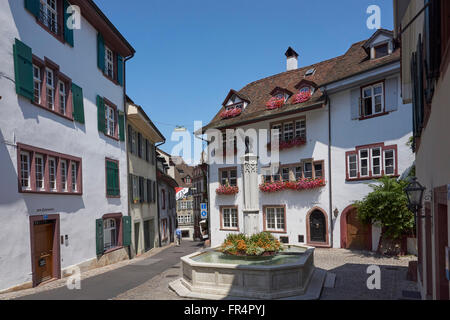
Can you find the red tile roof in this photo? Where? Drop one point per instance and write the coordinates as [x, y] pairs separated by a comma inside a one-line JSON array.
[[354, 61]]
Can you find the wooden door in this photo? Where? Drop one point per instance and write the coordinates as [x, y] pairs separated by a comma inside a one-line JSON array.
[[147, 235], [137, 234], [43, 250], [317, 227], [357, 232], [441, 241]]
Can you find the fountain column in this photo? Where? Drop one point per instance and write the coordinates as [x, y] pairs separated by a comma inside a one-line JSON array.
[[251, 193]]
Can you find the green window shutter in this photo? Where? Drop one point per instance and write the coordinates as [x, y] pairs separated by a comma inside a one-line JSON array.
[[68, 33], [116, 179], [120, 69], [100, 52], [121, 126], [101, 114], [78, 104], [33, 7], [99, 236], [126, 231], [23, 69], [112, 178]]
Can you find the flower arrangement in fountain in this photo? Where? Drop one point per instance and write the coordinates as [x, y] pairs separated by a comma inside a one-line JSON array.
[[275, 103], [226, 189], [299, 185], [260, 244], [230, 113], [301, 97]]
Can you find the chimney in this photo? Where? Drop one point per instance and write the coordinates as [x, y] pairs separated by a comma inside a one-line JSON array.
[[292, 59]]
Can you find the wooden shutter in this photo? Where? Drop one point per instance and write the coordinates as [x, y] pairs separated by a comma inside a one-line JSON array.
[[146, 150], [126, 231], [23, 69], [139, 145], [149, 191], [130, 139], [154, 191], [99, 236], [101, 114], [121, 126], [141, 189], [112, 178], [100, 52], [78, 104], [68, 32], [414, 93], [120, 69], [420, 84], [33, 6], [152, 154], [391, 86], [355, 103]]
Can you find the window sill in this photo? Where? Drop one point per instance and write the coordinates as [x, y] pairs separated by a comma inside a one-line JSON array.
[[373, 116], [112, 197], [113, 249], [276, 231], [112, 137], [52, 111], [58, 37], [51, 192], [371, 178], [110, 79], [228, 229]]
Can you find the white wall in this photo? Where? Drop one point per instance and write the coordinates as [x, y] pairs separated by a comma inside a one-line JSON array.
[[25, 123]]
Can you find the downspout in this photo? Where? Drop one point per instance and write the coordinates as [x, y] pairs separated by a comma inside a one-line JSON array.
[[330, 200], [157, 197], [126, 136]]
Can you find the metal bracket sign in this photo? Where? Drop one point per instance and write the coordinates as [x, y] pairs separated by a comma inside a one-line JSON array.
[[204, 210]]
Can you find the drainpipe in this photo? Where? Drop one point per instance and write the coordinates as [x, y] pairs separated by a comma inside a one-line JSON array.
[[330, 200], [157, 197]]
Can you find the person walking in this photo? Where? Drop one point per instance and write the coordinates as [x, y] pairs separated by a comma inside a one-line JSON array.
[[178, 234]]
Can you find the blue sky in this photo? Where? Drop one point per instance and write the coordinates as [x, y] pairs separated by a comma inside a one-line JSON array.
[[190, 53]]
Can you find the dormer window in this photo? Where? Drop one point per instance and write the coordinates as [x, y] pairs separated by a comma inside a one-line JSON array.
[[305, 89], [381, 50]]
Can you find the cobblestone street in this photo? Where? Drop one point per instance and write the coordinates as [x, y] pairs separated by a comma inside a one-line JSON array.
[[148, 277]]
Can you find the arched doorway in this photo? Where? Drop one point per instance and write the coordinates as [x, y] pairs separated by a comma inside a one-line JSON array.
[[317, 227], [354, 234]]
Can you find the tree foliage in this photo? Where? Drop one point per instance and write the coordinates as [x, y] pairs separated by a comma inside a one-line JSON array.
[[387, 205]]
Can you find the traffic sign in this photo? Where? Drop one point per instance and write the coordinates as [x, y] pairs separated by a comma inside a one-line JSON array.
[[204, 210]]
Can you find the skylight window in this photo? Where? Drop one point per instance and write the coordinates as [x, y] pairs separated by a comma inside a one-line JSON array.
[[310, 72]]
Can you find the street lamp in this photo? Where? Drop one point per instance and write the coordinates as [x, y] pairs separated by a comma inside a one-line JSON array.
[[414, 192]]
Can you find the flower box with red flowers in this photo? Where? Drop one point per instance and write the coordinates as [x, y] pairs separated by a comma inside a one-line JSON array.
[[227, 190], [301, 97], [295, 142], [302, 184], [230, 113], [275, 103]]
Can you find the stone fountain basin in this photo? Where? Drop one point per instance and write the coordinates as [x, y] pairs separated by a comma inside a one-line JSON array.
[[245, 278]]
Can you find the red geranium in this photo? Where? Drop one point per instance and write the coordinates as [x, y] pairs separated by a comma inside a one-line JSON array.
[[298, 141], [302, 184], [301, 97], [275, 103], [227, 190], [230, 113]]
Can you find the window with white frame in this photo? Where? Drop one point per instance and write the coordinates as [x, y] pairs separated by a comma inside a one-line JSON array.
[[285, 174], [39, 171], [389, 162], [48, 14], [371, 161], [135, 187], [288, 131], [228, 176], [63, 165], [372, 100], [308, 169], [352, 166], [25, 170], [364, 162], [52, 173], [300, 128], [298, 173], [37, 84], [50, 85], [229, 218], [305, 89], [110, 120], [62, 97], [109, 62], [275, 220], [376, 161], [74, 176], [109, 234]]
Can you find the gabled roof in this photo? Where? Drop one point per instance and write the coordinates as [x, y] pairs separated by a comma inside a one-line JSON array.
[[354, 61], [238, 94], [388, 33]]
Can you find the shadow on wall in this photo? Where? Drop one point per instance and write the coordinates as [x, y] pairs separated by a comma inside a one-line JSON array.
[[8, 173]]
